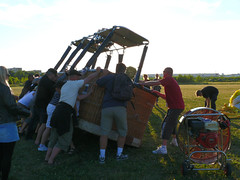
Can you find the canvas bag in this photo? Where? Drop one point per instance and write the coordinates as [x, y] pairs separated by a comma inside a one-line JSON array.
[[122, 87]]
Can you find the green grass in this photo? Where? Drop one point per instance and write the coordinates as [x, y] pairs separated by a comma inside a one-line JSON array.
[[28, 163]]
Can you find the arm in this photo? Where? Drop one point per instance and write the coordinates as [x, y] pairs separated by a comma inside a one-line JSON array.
[[150, 83], [101, 82], [83, 96], [105, 72], [11, 105], [159, 94], [92, 76]]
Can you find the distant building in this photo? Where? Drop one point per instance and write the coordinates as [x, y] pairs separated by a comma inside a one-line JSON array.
[[20, 69], [15, 69], [232, 75]]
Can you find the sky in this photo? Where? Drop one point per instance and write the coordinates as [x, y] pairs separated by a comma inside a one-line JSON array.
[[191, 36]]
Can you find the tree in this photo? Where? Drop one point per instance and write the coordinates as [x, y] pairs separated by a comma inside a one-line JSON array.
[[199, 79], [131, 71], [10, 80]]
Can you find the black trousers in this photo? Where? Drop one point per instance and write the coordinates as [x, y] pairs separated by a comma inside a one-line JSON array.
[[39, 116], [170, 123], [213, 101], [6, 151]]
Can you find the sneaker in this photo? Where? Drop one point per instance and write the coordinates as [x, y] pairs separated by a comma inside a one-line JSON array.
[[42, 147], [174, 142], [101, 160], [122, 157], [160, 150]]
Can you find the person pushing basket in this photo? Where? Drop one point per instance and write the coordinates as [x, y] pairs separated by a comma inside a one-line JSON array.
[[175, 103]]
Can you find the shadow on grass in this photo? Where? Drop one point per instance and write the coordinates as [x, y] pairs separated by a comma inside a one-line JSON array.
[[234, 124], [161, 111], [28, 163]]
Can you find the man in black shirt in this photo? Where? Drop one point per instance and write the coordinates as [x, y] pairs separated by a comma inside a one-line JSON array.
[[44, 94], [210, 93]]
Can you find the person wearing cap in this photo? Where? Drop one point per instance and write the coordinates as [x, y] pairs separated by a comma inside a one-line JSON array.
[[44, 94], [65, 114]]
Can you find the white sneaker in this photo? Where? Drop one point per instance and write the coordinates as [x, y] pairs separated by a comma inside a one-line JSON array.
[[101, 160], [122, 157], [174, 142], [42, 147], [160, 150]]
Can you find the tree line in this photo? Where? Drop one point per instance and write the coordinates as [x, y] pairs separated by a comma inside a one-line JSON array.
[[188, 79], [200, 79], [20, 77]]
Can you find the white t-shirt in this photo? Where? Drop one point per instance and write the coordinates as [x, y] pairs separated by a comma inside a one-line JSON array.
[[69, 91], [26, 99]]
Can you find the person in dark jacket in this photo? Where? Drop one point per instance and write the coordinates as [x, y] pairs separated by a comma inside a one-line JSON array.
[[210, 94], [44, 94], [113, 110], [8, 128]]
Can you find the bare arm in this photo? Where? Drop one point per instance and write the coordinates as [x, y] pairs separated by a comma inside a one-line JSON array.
[[105, 72], [150, 83], [83, 96], [159, 94], [92, 76]]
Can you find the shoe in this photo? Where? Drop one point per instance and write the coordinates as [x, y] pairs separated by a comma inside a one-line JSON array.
[[174, 142], [160, 150], [122, 157], [72, 151], [101, 160], [42, 147]]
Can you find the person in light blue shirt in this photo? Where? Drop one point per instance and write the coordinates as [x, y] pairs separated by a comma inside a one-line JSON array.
[[8, 128]]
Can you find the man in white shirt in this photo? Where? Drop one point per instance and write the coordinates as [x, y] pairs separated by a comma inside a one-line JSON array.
[[63, 116]]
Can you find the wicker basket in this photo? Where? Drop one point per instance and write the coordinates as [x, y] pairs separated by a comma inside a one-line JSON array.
[[138, 112]]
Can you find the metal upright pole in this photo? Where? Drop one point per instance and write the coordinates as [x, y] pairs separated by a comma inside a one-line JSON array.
[[73, 55], [107, 61], [93, 65], [141, 64], [120, 58], [100, 49], [63, 57], [82, 53]]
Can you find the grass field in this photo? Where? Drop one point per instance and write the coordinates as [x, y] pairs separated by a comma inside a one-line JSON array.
[[29, 164]]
